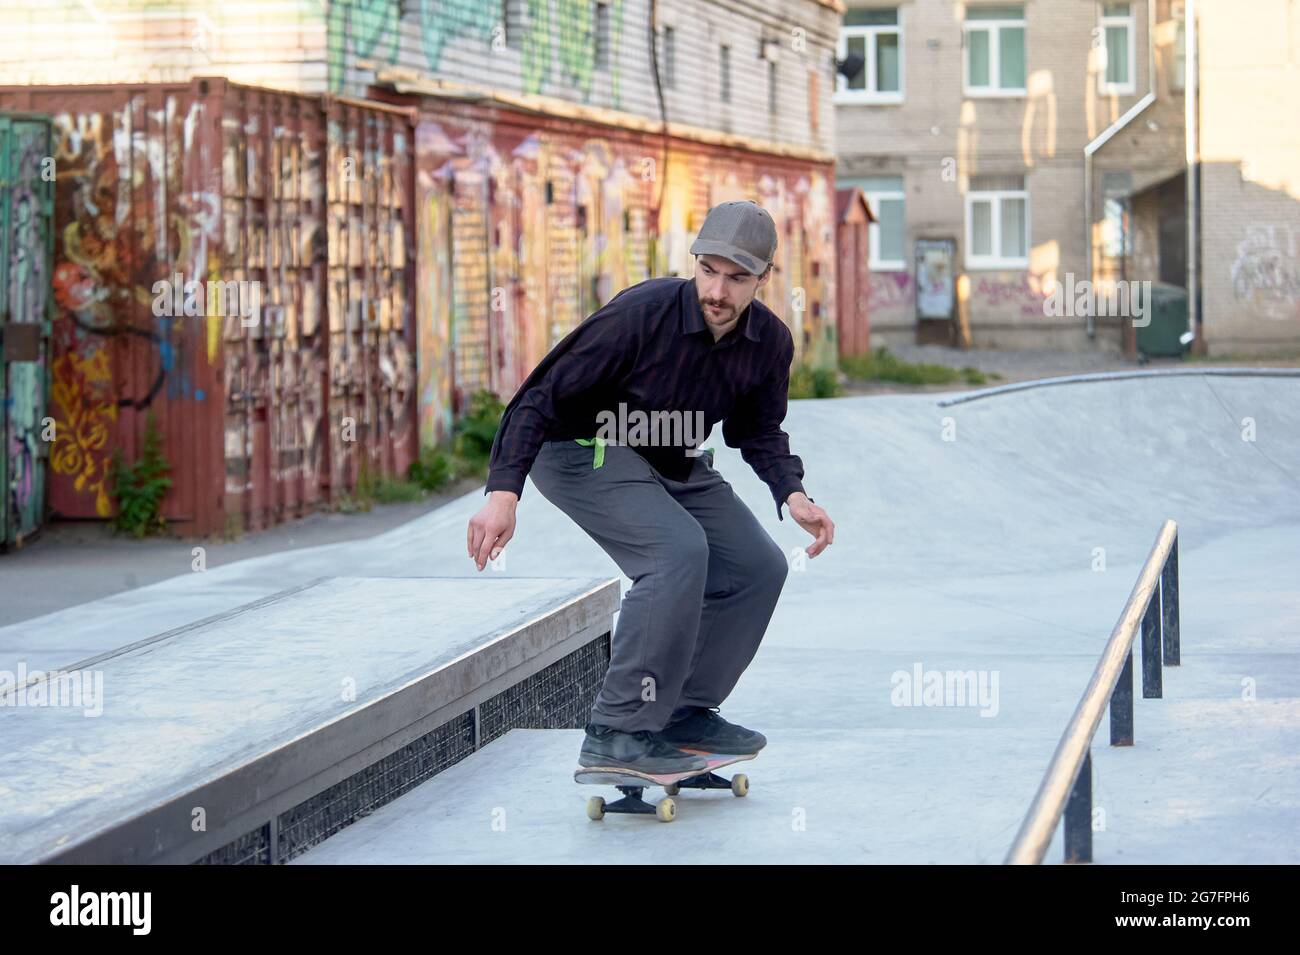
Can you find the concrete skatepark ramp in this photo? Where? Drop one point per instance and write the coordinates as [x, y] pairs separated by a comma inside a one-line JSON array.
[[996, 533]]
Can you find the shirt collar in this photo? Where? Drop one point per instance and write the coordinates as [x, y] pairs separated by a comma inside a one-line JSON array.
[[692, 319]]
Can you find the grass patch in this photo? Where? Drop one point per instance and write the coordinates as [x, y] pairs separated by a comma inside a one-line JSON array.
[[137, 489], [389, 491], [883, 365], [467, 454], [437, 467], [806, 382]]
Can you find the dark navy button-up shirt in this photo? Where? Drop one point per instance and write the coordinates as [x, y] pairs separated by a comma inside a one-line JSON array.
[[649, 349]]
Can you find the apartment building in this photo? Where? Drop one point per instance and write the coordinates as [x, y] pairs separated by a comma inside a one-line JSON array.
[[1013, 150], [1000, 137]]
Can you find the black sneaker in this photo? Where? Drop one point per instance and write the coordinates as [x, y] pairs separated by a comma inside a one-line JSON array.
[[642, 751], [703, 729]]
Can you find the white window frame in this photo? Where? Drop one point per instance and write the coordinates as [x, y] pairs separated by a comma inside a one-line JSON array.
[[1129, 23], [874, 261], [994, 29], [870, 95], [995, 261]]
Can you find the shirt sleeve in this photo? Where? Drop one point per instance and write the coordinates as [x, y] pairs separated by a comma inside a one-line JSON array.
[[754, 426], [596, 352]]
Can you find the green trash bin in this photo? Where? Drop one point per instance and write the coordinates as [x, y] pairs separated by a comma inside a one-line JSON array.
[[1162, 335]]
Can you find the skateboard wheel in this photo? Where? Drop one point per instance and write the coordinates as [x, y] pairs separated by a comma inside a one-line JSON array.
[[673, 789], [596, 808], [739, 784], [666, 810]]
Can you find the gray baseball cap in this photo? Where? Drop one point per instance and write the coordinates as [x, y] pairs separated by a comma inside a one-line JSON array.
[[740, 230]]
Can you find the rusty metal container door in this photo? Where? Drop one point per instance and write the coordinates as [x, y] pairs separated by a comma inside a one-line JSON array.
[[276, 441], [26, 247], [372, 379], [136, 203], [212, 186]]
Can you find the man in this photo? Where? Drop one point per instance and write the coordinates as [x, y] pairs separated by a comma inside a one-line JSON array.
[[706, 576]]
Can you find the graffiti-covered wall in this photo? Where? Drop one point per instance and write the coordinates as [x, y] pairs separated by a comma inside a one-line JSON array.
[[526, 225], [576, 50], [26, 232], [235, 261]]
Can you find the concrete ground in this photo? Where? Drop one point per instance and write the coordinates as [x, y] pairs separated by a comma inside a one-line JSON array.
[[1006, 365], [1000, 536], [90, 561]]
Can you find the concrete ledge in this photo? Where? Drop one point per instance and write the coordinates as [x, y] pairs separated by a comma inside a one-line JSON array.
[[233, 723]]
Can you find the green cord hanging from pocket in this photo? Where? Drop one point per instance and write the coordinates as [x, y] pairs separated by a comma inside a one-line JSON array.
[[598, 459]]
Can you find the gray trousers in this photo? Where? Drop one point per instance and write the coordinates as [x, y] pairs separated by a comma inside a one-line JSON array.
[[705, 577]]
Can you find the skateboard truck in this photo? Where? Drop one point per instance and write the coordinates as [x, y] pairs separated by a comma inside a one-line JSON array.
[[738, 784], [631, 803], [633, 784]]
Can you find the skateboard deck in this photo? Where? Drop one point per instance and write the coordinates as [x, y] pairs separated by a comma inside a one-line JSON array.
[[632, 784]]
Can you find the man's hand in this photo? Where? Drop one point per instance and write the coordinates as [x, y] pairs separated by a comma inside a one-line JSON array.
[[813, 519], [492, 527]]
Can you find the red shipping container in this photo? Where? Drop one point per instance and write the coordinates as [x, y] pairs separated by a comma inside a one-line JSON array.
[[233, 259]]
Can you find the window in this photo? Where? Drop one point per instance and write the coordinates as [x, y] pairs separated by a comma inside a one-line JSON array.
[[1117, 33], [997, 223], [670, 58], [725, 56], [877, 37], [771, 88], [994, 51], [886, 236], [1115, 239]]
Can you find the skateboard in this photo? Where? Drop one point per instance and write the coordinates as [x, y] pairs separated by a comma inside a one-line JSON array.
[[632, 784]]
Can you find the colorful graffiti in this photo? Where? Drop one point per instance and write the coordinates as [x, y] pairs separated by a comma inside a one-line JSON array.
[[890, 292], [1003, 296], [523, 233], [24, 203], [441, 20], [1266, 273], [85, 420], [577, 45], [360, 26], [558, 42], [537, 46], [94, 284], [306, 197]]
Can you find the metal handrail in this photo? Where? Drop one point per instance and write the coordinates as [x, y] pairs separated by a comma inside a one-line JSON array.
[[1154, 605]]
